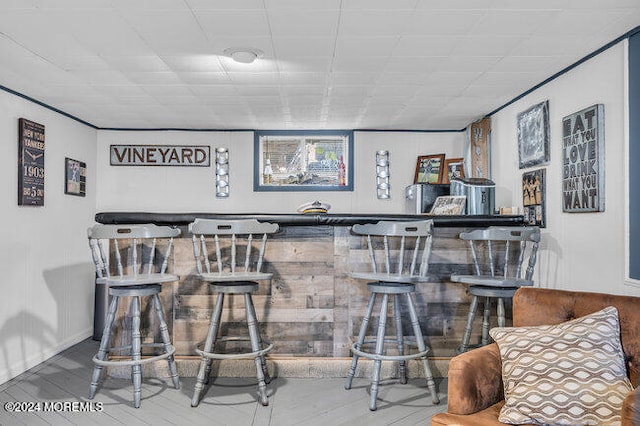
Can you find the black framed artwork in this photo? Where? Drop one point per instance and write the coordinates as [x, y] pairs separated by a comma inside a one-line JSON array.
[[30, 163], [533, 136], [75, 177]]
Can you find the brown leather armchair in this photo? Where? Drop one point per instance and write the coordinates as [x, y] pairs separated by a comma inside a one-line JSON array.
[[475, 394]]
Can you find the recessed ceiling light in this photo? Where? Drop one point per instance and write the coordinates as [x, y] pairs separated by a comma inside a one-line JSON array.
[[244, 55]]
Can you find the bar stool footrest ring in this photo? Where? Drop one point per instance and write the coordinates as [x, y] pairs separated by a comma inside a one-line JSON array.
[[131, 362], [245, 355], [355, 348]]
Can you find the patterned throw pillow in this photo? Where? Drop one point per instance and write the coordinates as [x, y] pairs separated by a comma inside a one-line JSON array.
[[567, 374]]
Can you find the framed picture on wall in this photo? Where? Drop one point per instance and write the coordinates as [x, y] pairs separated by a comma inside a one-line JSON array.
[[30, 163], [533, 197], [453, 168], [75, 177], [533, 135], [429, 169]]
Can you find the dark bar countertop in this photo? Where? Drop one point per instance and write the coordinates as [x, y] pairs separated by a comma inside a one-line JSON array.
[[180, 219]]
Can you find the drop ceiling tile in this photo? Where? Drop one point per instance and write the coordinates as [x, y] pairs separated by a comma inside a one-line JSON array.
[[287, 48], [471, 63], [255, 90], [193, 63], [305, 64], [307, 101], [365, 46], [542, 64], [579, 22], [148, 4], [303, 91], [303, 78], [455, 5], [317, 23], [213, 90], [375, 23], [410, 45], [416, 64], [341, 77], [225, 4], [200, 78], [241, 23], [486, 46], [512, 23], [136, 63], [254, 78], [166, 90], [361, 64], [548, 45], [441, 23], [403, 78], [152, 78], [379, 4], [303, 4], [259, 66]]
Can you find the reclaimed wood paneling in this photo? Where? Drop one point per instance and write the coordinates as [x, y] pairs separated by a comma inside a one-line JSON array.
[[311, 307]]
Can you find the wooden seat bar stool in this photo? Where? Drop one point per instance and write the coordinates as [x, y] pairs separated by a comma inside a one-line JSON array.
[[499, 255], [407, 248], [235, 268], [138, 271]]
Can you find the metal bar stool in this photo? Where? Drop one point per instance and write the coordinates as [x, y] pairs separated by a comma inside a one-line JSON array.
[[228, 276], [138, 272], [402, 243], [498, 271]]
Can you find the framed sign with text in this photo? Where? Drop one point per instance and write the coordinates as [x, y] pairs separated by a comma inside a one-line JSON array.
[[583, 161], [30, 163]]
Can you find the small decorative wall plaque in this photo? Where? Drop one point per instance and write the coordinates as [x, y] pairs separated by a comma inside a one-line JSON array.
[[583, 161], [533, 198], [480, 149], [30, 163], [75, 177], [533, 135]]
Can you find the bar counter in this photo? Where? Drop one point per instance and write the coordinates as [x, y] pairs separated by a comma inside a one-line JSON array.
[[312, 309], [182, 219]]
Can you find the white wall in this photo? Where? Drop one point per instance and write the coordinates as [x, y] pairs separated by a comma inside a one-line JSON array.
[[192, 189], [581, 251], [47, 277]]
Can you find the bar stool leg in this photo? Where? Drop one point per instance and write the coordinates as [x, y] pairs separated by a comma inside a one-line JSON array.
[[205, 363], [382, 326], [166, 339], [263, 361], [363, 332], [254, 335], [136, 370], [399, 338], [467, 328], [104, 346], [485, 320], [422, 347], [501, 314]]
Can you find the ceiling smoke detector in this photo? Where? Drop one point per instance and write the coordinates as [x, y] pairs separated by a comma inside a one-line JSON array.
[[244, 55]]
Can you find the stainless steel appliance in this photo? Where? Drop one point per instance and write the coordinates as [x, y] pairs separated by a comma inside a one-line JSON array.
[[480, 194], [419, 197]]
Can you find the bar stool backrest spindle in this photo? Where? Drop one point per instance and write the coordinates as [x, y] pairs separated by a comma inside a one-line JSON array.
[[136, 249], [406, 250], [493, 253], [233, 250]]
